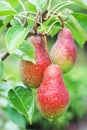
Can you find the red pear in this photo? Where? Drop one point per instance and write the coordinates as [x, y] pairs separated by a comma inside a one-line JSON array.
[[32, 74], [52, 95], [63, 51]]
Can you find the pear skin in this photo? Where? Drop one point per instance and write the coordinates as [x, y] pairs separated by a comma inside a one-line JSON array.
[[52, 95], [64, 51], [31, 73]]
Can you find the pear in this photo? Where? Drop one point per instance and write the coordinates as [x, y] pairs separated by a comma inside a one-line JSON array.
[[31, 73], [64, 51], [52, 95]]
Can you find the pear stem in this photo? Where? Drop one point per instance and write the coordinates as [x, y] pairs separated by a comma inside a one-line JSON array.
[[63, 25], [45, 42]]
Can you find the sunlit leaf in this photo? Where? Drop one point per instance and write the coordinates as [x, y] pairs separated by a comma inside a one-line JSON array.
[[81, 18], [15, 36], [82, 3], [78, 32], [40, 4], [6, 9], [26, 51], [30, 6]]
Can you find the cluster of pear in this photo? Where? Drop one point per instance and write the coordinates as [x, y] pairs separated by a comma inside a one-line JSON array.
[[52, 95]]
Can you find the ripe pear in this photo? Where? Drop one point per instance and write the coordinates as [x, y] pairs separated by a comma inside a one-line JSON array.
[[52, 95], [31, 73], [64, 51]]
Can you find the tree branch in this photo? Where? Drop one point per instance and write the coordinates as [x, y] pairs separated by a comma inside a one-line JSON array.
[[5, 55], [43, 15]]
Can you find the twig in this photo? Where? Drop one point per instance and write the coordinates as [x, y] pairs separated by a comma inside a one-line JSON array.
[[43, 15], [34, 28], [36, 22], [5, 55], [4, 80]]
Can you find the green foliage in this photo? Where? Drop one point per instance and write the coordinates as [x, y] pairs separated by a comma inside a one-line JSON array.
[[15, 116], [30, 6], [14, 38], [82, 3], [76, 83], [22, 99], [5, 22], [81, 18], [28, 52], [78, 32], [15, 4], [40, 5], [53, 7], [1, 69], [6, 9]]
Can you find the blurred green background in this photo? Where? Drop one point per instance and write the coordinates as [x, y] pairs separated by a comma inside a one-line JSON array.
[[75, 80]]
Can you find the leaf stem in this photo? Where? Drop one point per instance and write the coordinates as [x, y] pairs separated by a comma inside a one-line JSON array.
[[21, 3], [43, 16], [36, 22]]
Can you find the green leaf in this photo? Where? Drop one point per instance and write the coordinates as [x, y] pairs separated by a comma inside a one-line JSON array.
[[23, 100], [26, 51], [55, 2], [13, 3], [58, 5], [7, 20], [1, 69], [15, 37], [6, 9], [82, 3], [16, 5], [40, 4], [81, 18], [50, 21], [5, 23], [31, 20], [54, 30], [30, 6], [78, 32], [15, 116]]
